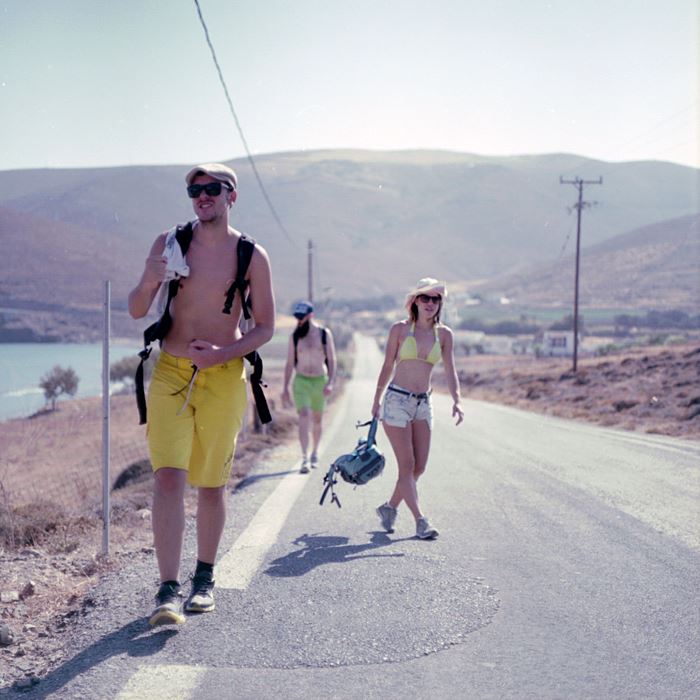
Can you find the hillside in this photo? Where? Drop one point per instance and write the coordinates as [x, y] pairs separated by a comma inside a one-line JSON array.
[[378, 220], [53, 279], [652, 267]]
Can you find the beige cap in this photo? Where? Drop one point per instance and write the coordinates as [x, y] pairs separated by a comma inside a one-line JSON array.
[[218, 171]]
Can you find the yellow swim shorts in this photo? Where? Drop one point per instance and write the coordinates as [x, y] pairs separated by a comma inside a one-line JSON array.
[[201, 438]]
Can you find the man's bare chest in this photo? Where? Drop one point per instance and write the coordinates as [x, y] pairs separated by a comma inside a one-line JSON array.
[[210, 277], [311, 344]]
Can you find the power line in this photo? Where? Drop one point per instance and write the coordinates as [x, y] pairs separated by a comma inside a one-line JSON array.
[[566, 241], [238, 126], [642, 139]]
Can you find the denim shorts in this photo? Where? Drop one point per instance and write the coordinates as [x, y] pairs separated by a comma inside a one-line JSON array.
[[399, 409]]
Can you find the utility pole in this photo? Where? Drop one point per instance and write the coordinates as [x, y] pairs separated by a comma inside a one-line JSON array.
[[310, 271], [578, 183]]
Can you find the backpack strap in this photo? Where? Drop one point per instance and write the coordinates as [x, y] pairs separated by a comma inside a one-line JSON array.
[[158, 330], [256, 386], [244, 253], [325, 345], [330, 481]]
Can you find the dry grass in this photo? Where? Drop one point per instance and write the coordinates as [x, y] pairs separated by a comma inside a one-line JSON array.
[[652, 389]]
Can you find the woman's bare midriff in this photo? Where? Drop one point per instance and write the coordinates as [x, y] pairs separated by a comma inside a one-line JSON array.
[[413, 375]]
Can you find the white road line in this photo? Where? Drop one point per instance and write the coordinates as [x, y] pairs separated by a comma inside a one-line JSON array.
[[162, 683], [236, 568]]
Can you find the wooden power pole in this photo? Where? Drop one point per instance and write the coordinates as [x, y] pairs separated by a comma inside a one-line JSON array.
[[578, 183], [310, 267]]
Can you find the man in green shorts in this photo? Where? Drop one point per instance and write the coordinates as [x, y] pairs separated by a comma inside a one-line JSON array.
[[311, 350], [197, 396]]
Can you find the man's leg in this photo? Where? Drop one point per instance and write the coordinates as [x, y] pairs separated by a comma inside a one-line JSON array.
[[220, 406], [168, 519], [304, 427], [211, 518], [316, 432]]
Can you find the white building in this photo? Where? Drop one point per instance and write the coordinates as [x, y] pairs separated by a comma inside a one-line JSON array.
[[558, 343]]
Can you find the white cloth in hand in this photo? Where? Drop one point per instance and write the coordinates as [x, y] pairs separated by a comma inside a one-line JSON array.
[[175, 267]]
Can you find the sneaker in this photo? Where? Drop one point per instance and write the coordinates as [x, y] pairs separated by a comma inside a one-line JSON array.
[[424, 530], [304, 466], [168, 610], [202, 595], [387, 514], [314, 461]]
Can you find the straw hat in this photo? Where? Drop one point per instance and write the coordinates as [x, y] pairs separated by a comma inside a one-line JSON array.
[[427, 285]]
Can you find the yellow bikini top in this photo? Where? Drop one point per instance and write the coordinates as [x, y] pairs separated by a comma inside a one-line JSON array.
[[409, 349]]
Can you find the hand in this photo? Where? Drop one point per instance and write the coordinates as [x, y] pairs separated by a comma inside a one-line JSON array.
[[375, 408], [286, 400], [328, 389], [203, 354], [457, 411], [154, 271]]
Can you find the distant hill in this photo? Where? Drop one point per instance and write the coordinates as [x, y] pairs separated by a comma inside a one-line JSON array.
[[653, 267], [378, 220]]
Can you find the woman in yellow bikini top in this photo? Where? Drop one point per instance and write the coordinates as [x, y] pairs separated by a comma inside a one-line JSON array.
[[409, 349], [413, 348]]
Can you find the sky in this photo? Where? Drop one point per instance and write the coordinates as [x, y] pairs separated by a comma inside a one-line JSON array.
[[87, 83]]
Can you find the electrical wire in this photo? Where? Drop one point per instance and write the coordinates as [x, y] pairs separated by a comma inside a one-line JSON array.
[[251, 160], [566, 241], [642, 139]]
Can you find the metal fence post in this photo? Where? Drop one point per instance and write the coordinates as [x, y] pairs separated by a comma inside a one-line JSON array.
[[105, 420]]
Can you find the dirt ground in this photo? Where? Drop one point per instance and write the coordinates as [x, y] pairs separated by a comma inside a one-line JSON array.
[[649, 390], [47, 577]]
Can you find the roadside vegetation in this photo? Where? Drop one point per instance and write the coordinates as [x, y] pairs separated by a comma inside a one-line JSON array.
[[60, 381]]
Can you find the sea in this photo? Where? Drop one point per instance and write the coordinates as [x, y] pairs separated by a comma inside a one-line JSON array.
[[22, 365]]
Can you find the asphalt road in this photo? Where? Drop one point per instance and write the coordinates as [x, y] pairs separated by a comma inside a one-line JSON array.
[[568, 566]]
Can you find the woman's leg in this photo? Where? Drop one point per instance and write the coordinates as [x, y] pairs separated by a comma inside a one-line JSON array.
[[401, 440], [421, 446]]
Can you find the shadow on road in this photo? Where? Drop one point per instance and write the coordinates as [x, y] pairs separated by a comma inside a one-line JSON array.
[[317, 550], [135, 639], [249, 480]]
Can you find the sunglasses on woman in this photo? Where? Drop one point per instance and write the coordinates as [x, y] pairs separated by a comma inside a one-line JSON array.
[[213, 189], [425, 298]]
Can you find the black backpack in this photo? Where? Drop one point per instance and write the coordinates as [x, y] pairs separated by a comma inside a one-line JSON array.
[[363, 464], [158, 330]]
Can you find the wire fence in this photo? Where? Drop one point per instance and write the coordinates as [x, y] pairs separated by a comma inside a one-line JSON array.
[[56, 456], [52, 461]]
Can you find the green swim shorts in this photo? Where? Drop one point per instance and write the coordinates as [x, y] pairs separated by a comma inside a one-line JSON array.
[[308, 392]]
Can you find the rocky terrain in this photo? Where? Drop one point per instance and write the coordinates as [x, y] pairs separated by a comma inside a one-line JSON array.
[[648, 389]]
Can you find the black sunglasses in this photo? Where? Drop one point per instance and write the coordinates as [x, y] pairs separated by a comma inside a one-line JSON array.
[[213, 189], [425, 298]]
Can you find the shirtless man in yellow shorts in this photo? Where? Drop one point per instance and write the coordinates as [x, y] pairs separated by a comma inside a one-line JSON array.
[[309, 356], [197, 396]]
